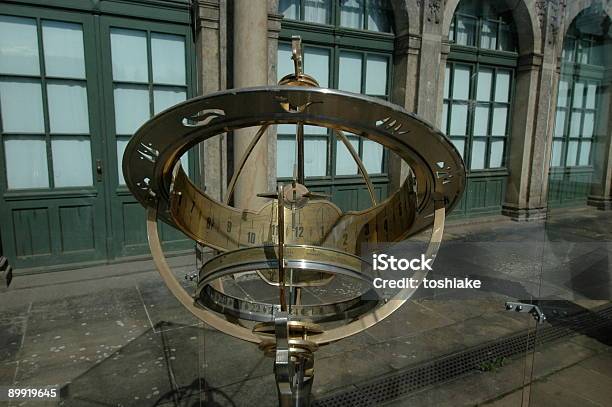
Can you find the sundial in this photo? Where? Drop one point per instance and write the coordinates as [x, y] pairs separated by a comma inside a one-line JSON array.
[[298, 240]]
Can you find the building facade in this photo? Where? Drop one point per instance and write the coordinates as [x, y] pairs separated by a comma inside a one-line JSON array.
[[521, 87]]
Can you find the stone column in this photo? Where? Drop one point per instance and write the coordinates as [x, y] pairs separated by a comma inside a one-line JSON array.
[[211, 52], [533, 122], [404, 93], [250, 68], [601, 189]]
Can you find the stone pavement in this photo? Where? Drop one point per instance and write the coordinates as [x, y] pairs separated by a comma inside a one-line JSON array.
[[110, 336]]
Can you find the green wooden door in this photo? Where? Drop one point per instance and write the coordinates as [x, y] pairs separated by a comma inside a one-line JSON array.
[[53, 196], [146, 68], [74, 86]]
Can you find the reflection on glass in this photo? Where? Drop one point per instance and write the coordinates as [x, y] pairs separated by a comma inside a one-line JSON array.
[[317, 11], [290, 9], [18, 46], [26, 162], [131, 108], [68, 111], [350, 72], [351, 13], [129, 55], [316, 64], [63, 49], [71, 161], [21, 106], [168, 59], [466, 31]]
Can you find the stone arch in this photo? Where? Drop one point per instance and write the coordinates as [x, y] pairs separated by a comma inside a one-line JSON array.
[[402, 16], [523, 12], [575, 8]]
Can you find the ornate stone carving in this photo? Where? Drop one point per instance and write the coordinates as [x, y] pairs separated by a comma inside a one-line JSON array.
[[550, 15], [432, 10]]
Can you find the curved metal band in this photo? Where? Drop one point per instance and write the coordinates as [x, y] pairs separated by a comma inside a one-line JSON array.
[[332, 335], [223, 303], [179, 292]]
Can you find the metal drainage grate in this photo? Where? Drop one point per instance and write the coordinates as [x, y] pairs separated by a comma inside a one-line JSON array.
[[449, 367]]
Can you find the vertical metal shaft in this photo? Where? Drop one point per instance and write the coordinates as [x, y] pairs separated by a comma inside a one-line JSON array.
[[299, 138], [281, 247]]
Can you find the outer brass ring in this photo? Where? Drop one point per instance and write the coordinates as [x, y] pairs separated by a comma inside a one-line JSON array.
[[151, 154]]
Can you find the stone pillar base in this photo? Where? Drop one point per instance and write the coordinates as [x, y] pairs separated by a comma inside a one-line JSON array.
[[600, 202], [524, 214]]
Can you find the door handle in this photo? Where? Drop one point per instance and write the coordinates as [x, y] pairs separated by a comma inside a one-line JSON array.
[[99, 170]]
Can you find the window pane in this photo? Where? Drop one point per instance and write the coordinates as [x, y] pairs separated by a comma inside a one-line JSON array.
[[461, 82], [568, 49], [563, 90], [506, 41], [345, 165], [575, 124], [351, 13], [481, 121], [376, 75], [315, 157], [458, 124], [168, 58], [372, 156], [578, 94], [26, 162], [500, 117], [350, 72], [585, 153], [502, 86], [444, 117], [478, 154], [378, 16], [284, 65], [488, 35], [556, 153], [317, 11], [131, 108], [591, 93], [129, 55], [71, 161], [560, 123], [313, 130], [451, 31], [316, 64], [121, 145], [497, 153], [285, 152], [286, 129], [583, 51], [485, 78], [164, 98], [588, 125], [466, 28], [572, 151], [290, 9], [460, 144], [18, 46], [63, 49], [447, 75], [21, 103], [68, 112]]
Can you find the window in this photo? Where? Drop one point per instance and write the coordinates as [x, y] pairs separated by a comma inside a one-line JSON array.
[[44, 104], [351, 64], [358, 72], [478, 91], [478, 24], [372, 15], [577, 100], [149, 75]]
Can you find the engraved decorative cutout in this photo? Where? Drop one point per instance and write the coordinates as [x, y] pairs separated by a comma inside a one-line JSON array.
[[147, 152], [203, 118], [392, 126]]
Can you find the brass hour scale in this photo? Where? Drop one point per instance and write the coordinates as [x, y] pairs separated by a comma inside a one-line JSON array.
[[299, 240]]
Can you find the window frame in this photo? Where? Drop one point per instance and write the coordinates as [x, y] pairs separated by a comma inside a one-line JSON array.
[[334, 17]]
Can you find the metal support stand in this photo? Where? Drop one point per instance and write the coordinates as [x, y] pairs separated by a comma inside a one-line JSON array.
[[293, 367], [532, 309]]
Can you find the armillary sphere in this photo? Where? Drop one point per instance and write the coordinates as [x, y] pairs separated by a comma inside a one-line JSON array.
[[298, 240]]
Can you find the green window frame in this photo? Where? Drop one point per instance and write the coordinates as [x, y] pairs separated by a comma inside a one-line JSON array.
[[45, 82], [371, 15], [484, 143], [338, 42]]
